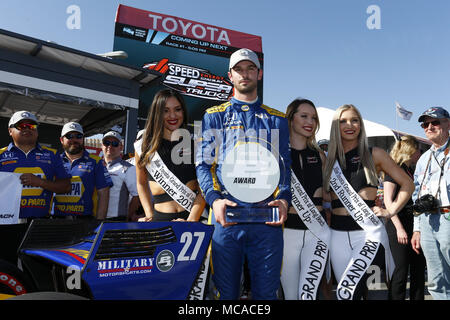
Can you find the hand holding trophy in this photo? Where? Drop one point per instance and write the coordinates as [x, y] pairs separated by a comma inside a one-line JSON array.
[[251, 173]]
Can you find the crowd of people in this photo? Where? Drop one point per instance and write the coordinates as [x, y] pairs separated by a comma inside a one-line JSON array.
[[330, 223]]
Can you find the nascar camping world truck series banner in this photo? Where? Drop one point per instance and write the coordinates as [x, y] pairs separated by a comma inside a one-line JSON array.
[[191, 56]]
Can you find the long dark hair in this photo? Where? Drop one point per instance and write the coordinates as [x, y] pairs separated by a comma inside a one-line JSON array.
[[154, 127]]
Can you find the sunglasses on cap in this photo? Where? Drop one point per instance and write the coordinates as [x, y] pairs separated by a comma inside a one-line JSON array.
[[70, 136], [108, 143], [23, 126], [427, 123]]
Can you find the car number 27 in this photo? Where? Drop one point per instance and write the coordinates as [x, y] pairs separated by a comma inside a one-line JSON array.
[[187, 239]]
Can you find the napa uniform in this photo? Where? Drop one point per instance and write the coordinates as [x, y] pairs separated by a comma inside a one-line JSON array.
[[222, 127], [35, 201], [88, 173], [42, 162]]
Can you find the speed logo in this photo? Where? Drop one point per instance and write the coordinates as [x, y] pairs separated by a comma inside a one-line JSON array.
[[193, 81]]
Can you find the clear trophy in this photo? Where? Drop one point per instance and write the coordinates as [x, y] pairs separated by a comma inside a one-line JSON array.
[[251, 174]]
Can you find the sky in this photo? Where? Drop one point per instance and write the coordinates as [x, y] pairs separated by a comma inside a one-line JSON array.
[[370, 53]]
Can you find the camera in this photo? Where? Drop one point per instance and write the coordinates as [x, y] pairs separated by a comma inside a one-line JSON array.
[[426, 203]]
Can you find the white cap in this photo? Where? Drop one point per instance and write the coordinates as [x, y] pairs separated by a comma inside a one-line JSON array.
[[112, 134], [21, 115], [244, 54], [71, 126]]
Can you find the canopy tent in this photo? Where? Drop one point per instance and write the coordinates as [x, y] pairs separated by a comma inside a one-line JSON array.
[[61, 84]]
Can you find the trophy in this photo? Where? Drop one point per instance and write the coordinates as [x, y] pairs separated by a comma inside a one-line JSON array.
[[251, 173]]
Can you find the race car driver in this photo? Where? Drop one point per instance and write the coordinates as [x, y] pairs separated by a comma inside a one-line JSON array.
[[222, 127]]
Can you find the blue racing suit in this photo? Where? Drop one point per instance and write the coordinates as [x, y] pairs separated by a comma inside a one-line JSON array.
[[222, 127]]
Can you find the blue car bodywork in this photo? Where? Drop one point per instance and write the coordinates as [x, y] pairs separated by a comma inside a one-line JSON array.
[[118, 260]]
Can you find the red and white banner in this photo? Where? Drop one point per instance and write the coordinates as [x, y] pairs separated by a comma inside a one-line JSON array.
[[187, 28]]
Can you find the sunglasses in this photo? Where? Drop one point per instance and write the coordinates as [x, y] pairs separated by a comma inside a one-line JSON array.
[[23, 126], [434, 123], [70, 136], [108, 143]]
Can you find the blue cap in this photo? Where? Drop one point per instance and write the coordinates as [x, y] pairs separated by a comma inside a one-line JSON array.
[[435, 112]]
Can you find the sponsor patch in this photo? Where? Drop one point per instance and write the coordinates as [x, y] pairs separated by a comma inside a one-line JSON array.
[[312, 160]]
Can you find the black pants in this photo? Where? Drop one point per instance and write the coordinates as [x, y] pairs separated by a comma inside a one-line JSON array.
[[405, 260], [163, 216]]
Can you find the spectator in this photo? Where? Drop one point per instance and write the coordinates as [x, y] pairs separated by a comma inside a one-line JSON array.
[[323, 144], [432, 224], [123, 176], [405, 153]]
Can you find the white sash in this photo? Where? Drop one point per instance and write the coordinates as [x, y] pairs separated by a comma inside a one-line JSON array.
[[176, 189], [198, 288], [10, 196], [375, 234], [317, 256]]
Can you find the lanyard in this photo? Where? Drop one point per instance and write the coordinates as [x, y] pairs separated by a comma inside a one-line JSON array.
[[441, 166]]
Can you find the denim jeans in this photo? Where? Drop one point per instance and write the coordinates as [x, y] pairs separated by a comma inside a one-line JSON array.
[[435, 243]]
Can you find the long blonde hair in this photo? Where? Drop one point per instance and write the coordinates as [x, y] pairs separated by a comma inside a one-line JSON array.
[[403, 149], [292, 108], [336, 150], [154, 127]]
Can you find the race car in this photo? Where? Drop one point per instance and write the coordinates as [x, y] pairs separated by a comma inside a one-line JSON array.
[[110, 260]]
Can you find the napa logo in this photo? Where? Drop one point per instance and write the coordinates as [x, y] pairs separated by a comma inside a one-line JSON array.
[[28, 190], [75, 193]]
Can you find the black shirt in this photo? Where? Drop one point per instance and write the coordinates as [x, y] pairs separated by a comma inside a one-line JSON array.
[[355, 175], [308, 171], [406, 217], [183, 171]]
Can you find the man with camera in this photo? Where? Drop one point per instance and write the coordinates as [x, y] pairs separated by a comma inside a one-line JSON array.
[[431, 202]]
